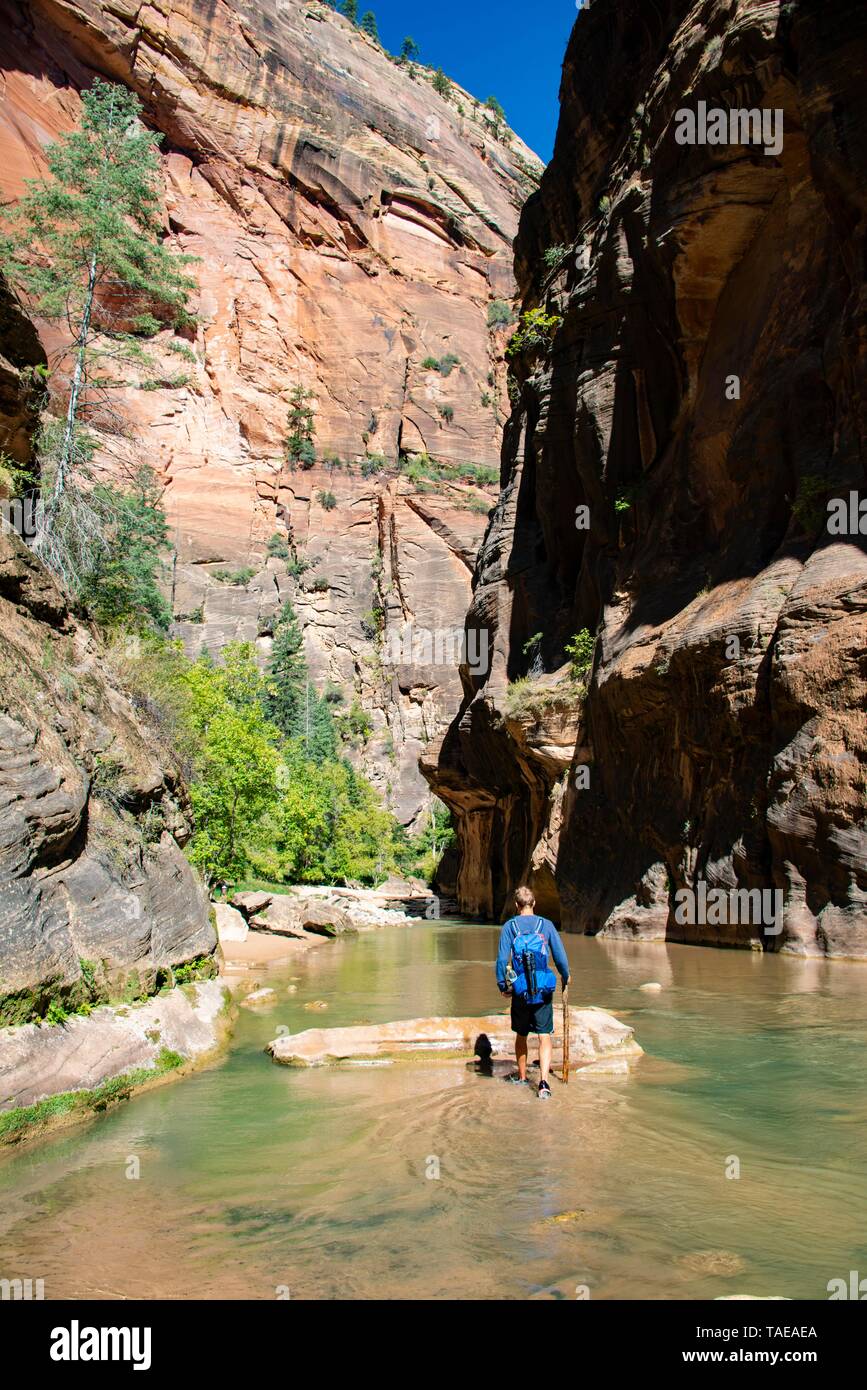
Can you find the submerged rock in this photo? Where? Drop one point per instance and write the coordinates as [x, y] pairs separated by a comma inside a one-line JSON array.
[[597, 1038]]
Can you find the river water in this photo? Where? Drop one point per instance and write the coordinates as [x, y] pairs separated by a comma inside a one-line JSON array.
[[260, 1181]]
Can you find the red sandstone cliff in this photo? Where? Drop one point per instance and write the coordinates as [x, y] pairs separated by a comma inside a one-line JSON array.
[[350, 224]]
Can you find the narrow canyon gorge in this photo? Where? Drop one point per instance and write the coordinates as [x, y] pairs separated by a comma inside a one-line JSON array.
[[664, 447]]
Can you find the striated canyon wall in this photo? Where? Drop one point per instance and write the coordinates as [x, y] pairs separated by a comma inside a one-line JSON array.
[[96, 897], [350, 224], [722, 735]]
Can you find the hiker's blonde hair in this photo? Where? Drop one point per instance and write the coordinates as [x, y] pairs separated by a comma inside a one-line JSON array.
[[525, 897]]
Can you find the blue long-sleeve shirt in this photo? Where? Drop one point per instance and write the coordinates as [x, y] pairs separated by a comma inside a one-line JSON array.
[[530, 923]]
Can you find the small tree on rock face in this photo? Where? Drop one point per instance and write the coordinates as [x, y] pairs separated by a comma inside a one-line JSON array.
[[300, 421], [442, 84], [85, 247], [368, 25], [350, 10], [409, 50]]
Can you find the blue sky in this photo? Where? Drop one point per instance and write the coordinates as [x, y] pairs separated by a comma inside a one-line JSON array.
[[510, 49]]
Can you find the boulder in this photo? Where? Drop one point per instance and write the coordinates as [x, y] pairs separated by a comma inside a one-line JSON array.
[[596, 1037], [231, 926], [251, 903]]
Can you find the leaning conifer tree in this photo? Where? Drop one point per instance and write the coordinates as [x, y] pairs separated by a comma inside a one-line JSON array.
[[85, 249]]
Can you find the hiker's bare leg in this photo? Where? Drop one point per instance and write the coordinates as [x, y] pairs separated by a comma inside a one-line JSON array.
[[545, 1042], [521, 1055]]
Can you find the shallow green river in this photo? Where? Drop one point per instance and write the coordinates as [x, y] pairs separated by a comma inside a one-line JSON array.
[[258, 1181]]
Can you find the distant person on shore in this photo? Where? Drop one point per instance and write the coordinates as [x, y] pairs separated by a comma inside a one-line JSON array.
[[527, 944]]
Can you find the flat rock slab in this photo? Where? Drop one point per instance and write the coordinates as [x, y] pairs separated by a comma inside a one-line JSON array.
[[597, 1037], [40, 1060]]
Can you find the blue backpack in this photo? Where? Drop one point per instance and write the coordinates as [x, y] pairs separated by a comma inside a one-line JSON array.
[[534, 981]]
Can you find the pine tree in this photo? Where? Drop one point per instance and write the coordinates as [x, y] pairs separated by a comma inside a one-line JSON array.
[[300, 421], [350, 10], [286, 675], [409, 50], [493, 105], [85, 246], [368, 25], [442, 84]]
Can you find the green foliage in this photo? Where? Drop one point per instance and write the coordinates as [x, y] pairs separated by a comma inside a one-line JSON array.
[[298, 565], [355, 726], [809, 509], [286, 675], [499, 313], [409, 50], [327, 501], [327, 828], [237, 578], [554, 255], [119, 584], [373, 623], [420, 854], [447, 412], [97, 219], [494, 106], [580, 652], [535, 330], [349, 8], [444, 365], [373, 463], [277, 547], [300, 424], [441, 84], [368, 25]]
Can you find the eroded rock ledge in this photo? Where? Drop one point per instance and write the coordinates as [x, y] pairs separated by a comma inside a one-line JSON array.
[[597, 1039], [132, 1046]]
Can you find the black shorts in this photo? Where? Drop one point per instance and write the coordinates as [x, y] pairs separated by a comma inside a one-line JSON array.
[[532, 1018]]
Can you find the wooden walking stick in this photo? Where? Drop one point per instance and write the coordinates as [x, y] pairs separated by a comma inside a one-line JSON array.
[[566, 1033]]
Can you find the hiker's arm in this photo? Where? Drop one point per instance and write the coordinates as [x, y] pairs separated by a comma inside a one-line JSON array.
[[561, 960], [503, 953]]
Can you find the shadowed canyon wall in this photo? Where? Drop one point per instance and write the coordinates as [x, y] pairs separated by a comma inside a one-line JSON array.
[[722, 736], [350, 224]]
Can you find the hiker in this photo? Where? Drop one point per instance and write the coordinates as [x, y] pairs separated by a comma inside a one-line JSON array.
[[523, 971]]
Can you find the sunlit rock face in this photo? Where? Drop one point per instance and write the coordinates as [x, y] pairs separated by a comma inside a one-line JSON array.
[[723, 735], [350, 224]]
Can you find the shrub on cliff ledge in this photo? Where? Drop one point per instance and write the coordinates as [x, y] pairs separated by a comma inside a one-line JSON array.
[[580, 652], [535, 330]]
